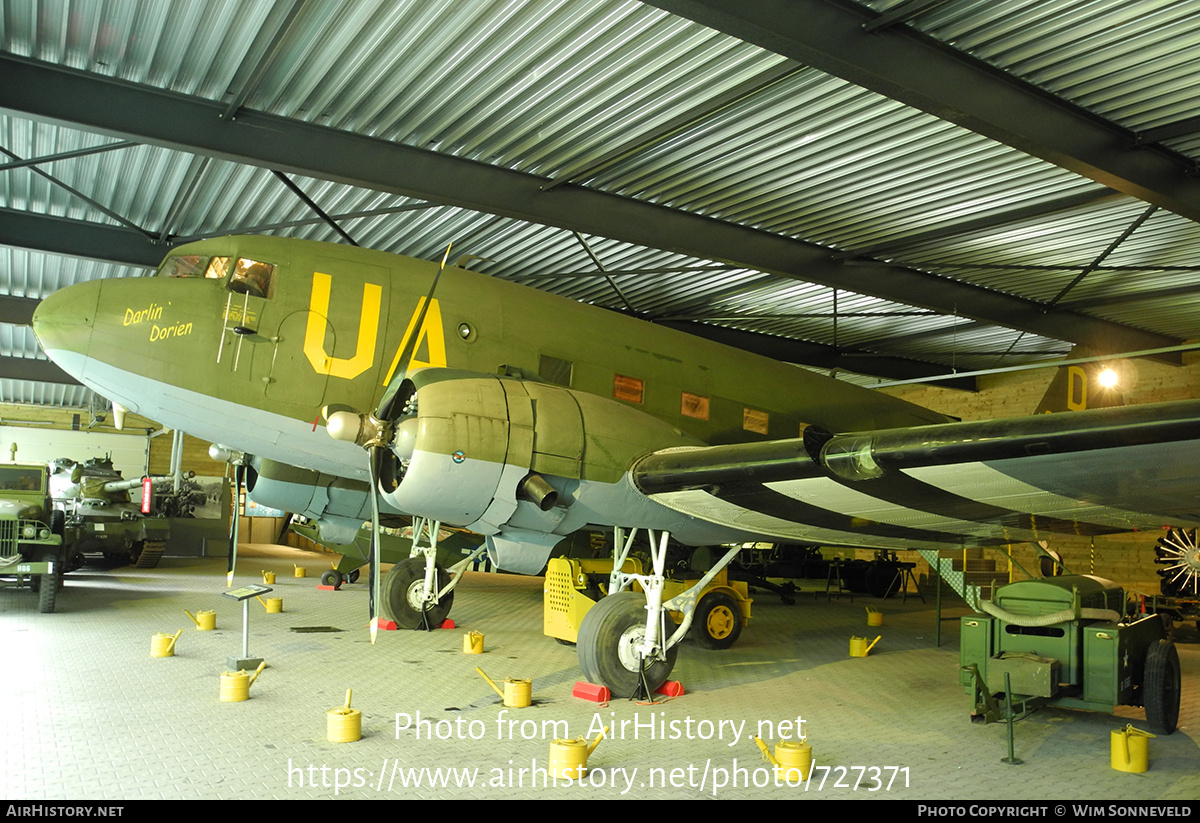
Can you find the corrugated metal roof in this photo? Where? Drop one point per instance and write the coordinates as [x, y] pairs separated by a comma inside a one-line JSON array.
[[627, 99]]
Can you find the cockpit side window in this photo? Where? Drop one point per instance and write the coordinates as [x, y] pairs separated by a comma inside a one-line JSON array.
[[252, 277], [217, 269]]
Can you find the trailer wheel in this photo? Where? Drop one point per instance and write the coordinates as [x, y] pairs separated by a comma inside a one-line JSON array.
[[1161, 685], [718, 621]]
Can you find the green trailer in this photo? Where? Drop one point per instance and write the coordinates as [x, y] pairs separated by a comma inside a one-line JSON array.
[[1072, 642]]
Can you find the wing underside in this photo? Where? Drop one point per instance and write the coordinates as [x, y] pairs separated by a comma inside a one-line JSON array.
[[962, 484]]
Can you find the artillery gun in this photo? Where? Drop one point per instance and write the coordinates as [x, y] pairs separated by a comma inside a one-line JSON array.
[[101, 519]]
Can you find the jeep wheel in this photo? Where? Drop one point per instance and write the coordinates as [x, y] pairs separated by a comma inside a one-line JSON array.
[[48, 592]]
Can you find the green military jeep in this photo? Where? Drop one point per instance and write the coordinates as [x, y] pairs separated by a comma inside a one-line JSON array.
[[31, 533]]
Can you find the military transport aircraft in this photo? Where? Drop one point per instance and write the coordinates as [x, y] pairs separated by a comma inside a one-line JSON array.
[[523, 417]]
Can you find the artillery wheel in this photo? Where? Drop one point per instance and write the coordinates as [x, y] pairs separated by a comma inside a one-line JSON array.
[[608, 637], [881, 579], [331, 577], [1179, 553], [718, 621], [402, 589], [1161, 687]]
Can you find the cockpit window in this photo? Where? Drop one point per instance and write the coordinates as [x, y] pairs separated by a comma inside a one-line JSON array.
[[217, 269], [195, 265], [252, 277], [184, 265]]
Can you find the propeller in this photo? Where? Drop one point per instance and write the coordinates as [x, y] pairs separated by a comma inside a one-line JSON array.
[[375, 432], [239, 474]]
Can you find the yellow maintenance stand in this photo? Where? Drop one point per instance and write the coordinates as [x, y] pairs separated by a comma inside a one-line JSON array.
[[573, 585]]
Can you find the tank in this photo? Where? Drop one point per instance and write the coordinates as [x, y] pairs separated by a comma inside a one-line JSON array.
[[102, 520]]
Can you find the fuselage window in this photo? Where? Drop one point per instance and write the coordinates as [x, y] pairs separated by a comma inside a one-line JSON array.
[[252, 277], [630, 389], [694, 405]]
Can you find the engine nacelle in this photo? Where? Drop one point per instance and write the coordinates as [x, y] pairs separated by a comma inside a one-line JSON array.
[[480, 446], [340, 505]]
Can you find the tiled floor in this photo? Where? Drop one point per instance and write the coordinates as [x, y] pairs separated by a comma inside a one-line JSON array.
[[91, 715]]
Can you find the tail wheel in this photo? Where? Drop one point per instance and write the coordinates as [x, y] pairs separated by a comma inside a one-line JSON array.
[[609, 639], [403, 592], [718, 621], [1179, 555], [1161, 687]]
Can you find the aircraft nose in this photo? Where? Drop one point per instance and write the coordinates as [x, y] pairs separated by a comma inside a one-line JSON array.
[[63, 321]]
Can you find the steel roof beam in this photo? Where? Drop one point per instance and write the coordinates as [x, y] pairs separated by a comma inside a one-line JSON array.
[[77, 238], [37, 371], [94, 103], [917, 70]]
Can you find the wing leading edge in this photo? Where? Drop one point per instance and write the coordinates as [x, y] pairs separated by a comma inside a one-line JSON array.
[[977, 483]]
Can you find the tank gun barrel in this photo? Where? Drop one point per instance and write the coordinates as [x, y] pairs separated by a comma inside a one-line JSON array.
[[136, 483]]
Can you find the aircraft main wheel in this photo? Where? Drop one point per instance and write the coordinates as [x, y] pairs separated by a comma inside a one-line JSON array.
[[403, 587], [352, 577], [718, 621], [331, 577], [1160, 687], [609, 636]]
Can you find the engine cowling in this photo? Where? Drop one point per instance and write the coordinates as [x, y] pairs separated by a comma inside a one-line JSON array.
[[479, 450], [339, 504]]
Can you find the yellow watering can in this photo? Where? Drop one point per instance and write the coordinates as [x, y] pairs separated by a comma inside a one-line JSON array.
[[235, 686], [568, 758], [342, 723], [163, 645], [859, 647], [516, 692], [1130, 750], [473, 643], [205, 621], [792, 760], [273, 605], [268, 577], [300, 571]]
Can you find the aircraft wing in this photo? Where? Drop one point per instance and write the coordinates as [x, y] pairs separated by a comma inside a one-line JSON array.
[[973, 483]]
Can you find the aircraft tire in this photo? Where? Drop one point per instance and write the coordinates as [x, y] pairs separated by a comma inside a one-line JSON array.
[[402, 587], [331, 577], [1161, 687], [352, 577], [718, 621], [607, 635]]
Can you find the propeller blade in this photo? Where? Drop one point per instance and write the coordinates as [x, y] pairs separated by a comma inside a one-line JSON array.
[[410, 345], [374, 568], [239, 474]]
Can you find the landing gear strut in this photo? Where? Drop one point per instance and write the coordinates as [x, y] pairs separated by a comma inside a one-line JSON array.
[[623, 641], [419, 591]]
